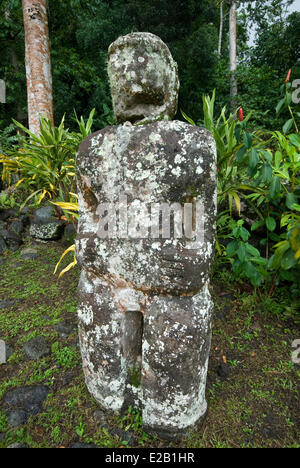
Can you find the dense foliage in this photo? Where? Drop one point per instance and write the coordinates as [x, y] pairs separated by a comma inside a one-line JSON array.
[[81, 31]]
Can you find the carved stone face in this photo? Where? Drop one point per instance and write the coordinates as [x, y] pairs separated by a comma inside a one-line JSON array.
[[143, 78]]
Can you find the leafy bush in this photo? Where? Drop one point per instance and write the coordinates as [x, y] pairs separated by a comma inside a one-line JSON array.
[[45, 164], [258, 195]]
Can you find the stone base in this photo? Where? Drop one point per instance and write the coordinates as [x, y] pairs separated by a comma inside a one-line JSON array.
[[172, 434]]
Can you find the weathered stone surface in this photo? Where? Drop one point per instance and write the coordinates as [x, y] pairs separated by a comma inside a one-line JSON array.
[[45, 226], [69, 232], [8, 350], [36, 348], [51, 230], [3, 245], [27, 398], [159, 162], [223, 370], [7, 213], [17, 417], [144, 309], [17, 227], [44, 213], [143, 78], [7, 303], [29, 254], [64, 329], [100, 418], [176, 344], [81, 445], [11, 238], [17, 445]]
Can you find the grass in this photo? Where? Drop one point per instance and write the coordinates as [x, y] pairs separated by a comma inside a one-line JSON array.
[[257, 405]]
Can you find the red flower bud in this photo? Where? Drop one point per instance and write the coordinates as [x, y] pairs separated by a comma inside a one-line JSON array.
[[241, 115], [288, 76]]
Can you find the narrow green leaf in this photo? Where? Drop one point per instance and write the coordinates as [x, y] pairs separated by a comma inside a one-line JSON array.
[[287, 126], [279, 105], [188, 119], [271, 223], [252, 250]]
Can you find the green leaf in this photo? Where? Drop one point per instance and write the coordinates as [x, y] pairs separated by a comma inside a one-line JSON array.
[[287, 126], [288, 260], [252, 250], [260, 261], [290, 200], [231, 248], [267, 155], [188, 119], [279, 105], [274, 237], [275, 187], [236, 266], [266, 172], [271, 223], [295, 140], [253, 275], [278, 159], [248, 140], [244, 234], [241, 252], [296, 207], [253, 158], [237, 133], [257, 225], [240, 154]]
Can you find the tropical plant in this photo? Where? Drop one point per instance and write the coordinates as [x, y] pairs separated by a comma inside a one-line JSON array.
[[285, 102], [246, 259], [45, 164]]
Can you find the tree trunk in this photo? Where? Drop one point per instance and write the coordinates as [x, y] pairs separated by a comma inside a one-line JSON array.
[[221, 29], [38, 65], [232, 54]]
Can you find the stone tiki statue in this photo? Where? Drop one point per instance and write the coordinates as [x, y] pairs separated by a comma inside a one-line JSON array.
[[145, 310]]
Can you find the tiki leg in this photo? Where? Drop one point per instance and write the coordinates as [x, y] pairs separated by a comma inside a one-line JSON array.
[[176, 344], [110, 340]]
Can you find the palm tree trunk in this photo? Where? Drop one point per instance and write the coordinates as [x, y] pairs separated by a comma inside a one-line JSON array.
[[38, 65]]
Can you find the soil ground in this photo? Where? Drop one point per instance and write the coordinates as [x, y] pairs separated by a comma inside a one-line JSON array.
[[253, 385]]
